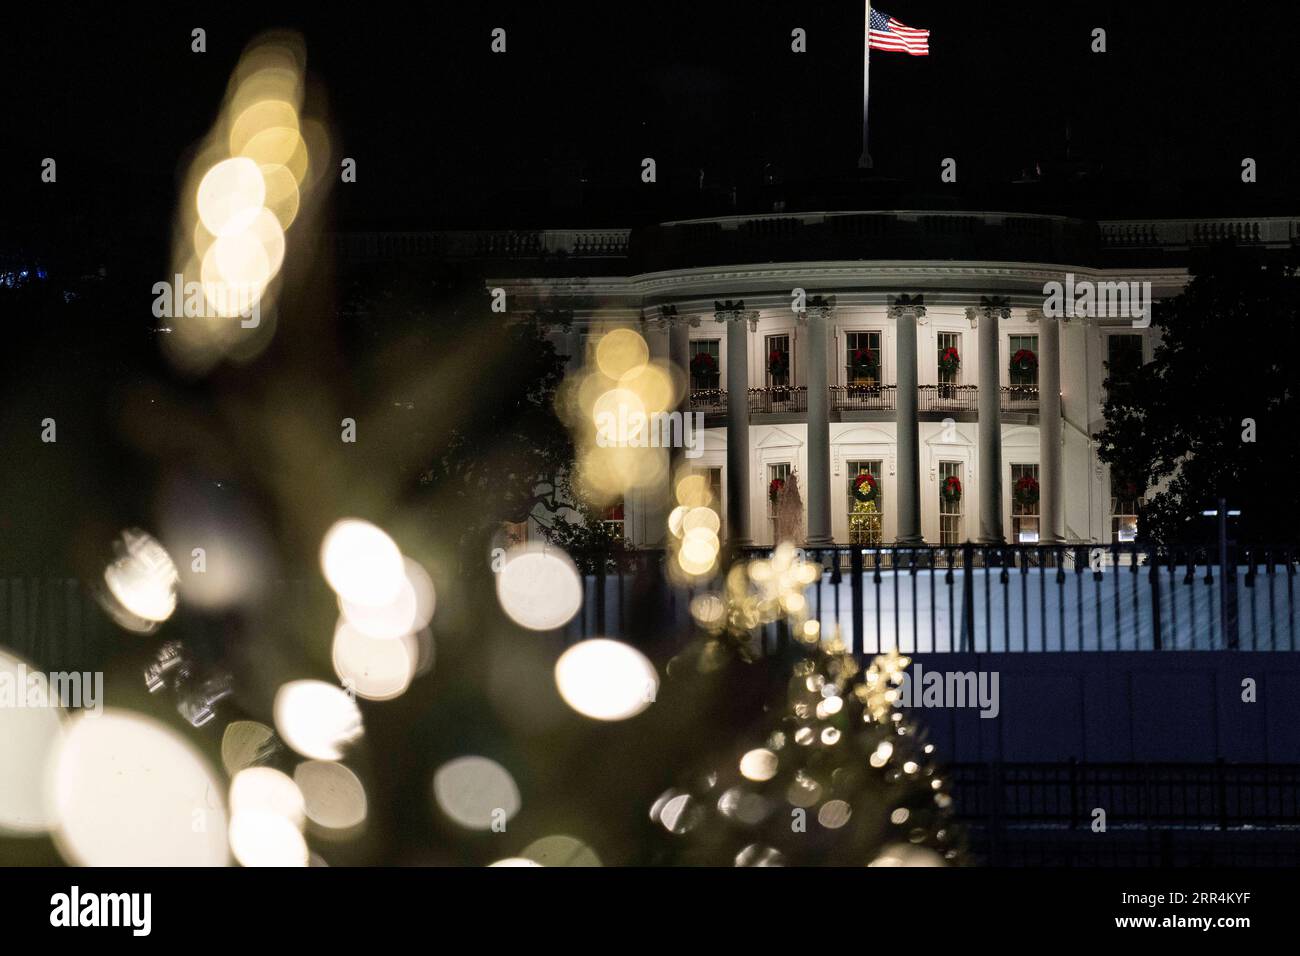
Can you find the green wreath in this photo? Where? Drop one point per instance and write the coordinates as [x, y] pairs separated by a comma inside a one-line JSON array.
[[865, 489]]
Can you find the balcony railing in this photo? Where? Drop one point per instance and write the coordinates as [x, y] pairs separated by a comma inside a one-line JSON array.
[[1019, 398], [784, 398], [948, 398], [864, 398], [710, 401]]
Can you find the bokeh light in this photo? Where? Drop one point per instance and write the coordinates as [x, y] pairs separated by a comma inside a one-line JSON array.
[[141, 582], [334, 798], [375, 668], [539, 587], [129, 791], [316, 719], [476, 792], [28, 735], [606, 680], [362, 564]]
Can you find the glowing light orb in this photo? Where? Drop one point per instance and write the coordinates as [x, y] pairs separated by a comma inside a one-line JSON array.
[[410, 610], [758, 765], [606, 680], [266, 790], [333, 796], [245, 743], [374, 668], [475, 792], [316, 719], [261, 838], [361, 563], [230, 196], [903, 854], [621, 351], [539, 588], [28, 736], [129, 791], [560, 850], [142, 579]]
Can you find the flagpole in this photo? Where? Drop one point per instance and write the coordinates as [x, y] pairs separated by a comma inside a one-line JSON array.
[[864, 161]]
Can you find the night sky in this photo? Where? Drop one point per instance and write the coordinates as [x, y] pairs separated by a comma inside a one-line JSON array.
[[447, 134]]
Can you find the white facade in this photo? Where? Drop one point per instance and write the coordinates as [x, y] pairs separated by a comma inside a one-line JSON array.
[[704, 284]]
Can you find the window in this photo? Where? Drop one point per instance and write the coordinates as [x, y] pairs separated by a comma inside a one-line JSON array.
[[1024, 377], [705, 371], [865, 526], [1123, 356], [1024, 504], [613, 519], [1125, 500], [950, 506], [862, 356], [780, 371], [514, 533], [947, 374], [778, 476], [713, 481]]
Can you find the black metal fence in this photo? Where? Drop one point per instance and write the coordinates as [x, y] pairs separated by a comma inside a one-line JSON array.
[[977, 598], [1130, 813]]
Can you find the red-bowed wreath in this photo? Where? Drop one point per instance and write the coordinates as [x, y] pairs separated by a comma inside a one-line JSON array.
[[778, 363], [1024, 361], [951, 488], [1026, 491], [774, 488], [703, 364], [865, 488], [949, 361], [863, 362]]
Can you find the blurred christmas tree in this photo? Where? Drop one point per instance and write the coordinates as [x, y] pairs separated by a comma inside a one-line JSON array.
[[832, 773]]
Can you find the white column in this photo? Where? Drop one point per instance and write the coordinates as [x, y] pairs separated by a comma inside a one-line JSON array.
[[819, 429], [657, 502], [990, 417], [738, 465], [906, 310], [1051, 518]]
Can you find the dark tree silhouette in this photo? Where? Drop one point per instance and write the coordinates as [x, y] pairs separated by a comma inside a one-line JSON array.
[[1214, 413]]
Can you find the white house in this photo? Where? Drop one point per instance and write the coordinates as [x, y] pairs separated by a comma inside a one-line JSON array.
[[832, 329]]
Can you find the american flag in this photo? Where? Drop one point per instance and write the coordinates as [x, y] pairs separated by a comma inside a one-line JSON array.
[[886, 33]]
